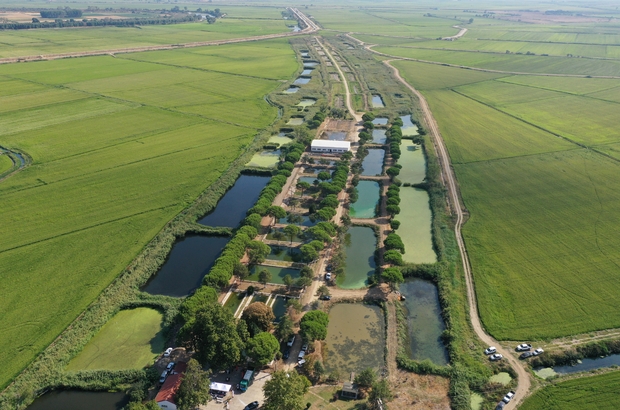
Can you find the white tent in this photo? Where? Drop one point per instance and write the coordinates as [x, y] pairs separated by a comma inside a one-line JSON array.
[[220, 388]]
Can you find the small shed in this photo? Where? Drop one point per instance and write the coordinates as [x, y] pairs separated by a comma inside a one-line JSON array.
[[349, 390], [330, 146]]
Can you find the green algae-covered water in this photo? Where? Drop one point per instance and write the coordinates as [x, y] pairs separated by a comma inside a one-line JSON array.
[[360, 244], [368, 198], [413, 162], [415, 227]]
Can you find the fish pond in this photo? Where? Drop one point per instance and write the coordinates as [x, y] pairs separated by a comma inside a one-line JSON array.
[[373, 162], [583, 365], [302, 80], [280, 139], [424, 321], [413, 162], [265, 159], [305, 221], [307, 71], [310, 64], [233, 301], [295, 121], [189, 261], [377, 101], [415, 226], [284, 253], [284, 237], [409, 129], [307, 102], [380, 121], [367, 201], [378, 136], [232, 208], [80, 400], [278, 305], [360, 244], [291, 90], [355, 338], [277, 273]]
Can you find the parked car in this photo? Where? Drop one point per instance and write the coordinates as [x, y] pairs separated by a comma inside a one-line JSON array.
[[523, 347], [301, 363], [328, 276], [286, 354], [325, 297], [490, 350], [500, 405], [495, 357], [163, 376], [170, 366], [305, 347], [538, 351], [526, 355], [329, 268], [291, 341], [251, 406], [168, 351], [301, 355], [508, 397]]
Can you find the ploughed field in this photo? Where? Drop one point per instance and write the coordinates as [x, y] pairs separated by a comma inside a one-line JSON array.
[[119, 147]]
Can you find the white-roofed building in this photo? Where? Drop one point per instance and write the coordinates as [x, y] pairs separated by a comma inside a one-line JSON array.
[[330, 146]]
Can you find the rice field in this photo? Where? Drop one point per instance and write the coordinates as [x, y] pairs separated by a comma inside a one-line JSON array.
[[112, 163]]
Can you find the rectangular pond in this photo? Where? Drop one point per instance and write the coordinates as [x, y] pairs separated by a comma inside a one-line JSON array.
[[367, 201], [413, 162], [415, 226], [310, 64], [284, 253], [188, 262], [280, 139], [277, 273], [279, 307], [233, 301], [305, 221], [378, 136], [409, 129], [291, 90], [336, 135], [265, 159], [307, 71], [231, 209], [285, 238], [377, 101], [424, 321], [355, 338], [373, 162], [307, 102], [295, 121], [302, 80], [80, 400], [380, 121], [360, 245]]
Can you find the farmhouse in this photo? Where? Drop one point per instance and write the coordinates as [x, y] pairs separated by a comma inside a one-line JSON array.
[[335, 147], [166, 398]]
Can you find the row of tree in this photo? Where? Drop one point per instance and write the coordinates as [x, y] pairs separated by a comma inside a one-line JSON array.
[[133, 22]]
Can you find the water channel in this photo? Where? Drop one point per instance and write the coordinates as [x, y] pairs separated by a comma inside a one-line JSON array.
[[368, 199], [413, 162], [377, 101], [360, 244], [189, 261], [80, 400], [373, 162], [231, 209], [424, 321], [415, 226], [583, 366], [355, 338]]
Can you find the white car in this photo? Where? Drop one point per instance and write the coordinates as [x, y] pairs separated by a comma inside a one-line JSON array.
[[328, 276], [301, 355], [490, 350], [168, 351], [305, 347], [508, 397], [538, 351], [523, 347], [495, 357], [291, 341], [170, 366]]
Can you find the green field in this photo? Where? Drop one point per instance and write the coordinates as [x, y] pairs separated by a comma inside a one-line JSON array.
[[589, 393], [119, 147], [132, 339], [5, 163]]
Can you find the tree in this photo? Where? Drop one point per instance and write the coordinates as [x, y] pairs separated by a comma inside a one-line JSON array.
[[366, 378], [212, 334], [380, 390], [302, 282], [393, 257], [368, 116], [284, 330], [314, 325], [295, 304], [303, 186], [369, 125], [294, 218], [306, 272], [257, 252], [288, 281], [264, 276], [393, 241], [258, 316], [319, 369], [262, 348], [330, 201], [323, 290], [276, 212], [285, 391], [194, 388], [392, 209], [393, 276], [253, 220], [393, 172], [151, 405], [394, 224], [241, 271], [323, 176], [292, 231], [308, 253]]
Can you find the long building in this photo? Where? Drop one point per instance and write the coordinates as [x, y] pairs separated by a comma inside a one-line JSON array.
[[334, 147]]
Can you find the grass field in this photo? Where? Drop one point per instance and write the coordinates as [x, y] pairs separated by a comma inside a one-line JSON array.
[[113, 161], [589, 393], [132, 339], [5, 163]]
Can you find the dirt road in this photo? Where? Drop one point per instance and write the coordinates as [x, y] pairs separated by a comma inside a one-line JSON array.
[[448, 175]]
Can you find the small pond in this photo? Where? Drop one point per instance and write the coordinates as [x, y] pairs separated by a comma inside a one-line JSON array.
[[233, 301], [279, 307], [285, 238], [310, 64], [306, 102], [284, 253], [380, 121], [306, 221], [304, 54], [355, 338], [360, 244], [377, 101], [291, 90], [280, 139], [232, 208], [307, 179], [80, 400], [413, 162], [415, 226], [265, 159], [379, 137], [187, 264], [373, 162], [583, 366], [409, 128], [336, 135], [424, 321], [302, 80], [277, 273], [501, 377], [367, 201], [307, 71], [295, 121]]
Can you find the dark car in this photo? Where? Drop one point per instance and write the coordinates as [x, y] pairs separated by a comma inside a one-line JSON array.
[[329, 268], [526, 355], [325, 297], [500, 405], [286, 354], [251, 406]]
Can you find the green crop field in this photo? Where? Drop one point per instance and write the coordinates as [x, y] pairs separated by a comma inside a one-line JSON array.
[[130, 340], [5, 163], [119, 147], [598, 392]]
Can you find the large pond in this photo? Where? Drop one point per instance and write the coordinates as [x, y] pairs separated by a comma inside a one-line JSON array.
[[355, 338], [415, 226], [373, 162], [336, 135], [424, 321], [360, 244], [187, 264], [377, 101], [380, 121], [295, 121], [280, 139], [409, 129], [306, 102], [368, 198], [80, 400], [413, 162], [302, 80], [277, 273], [378, 136], [583, 366], [265, 159], [231, 209]]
